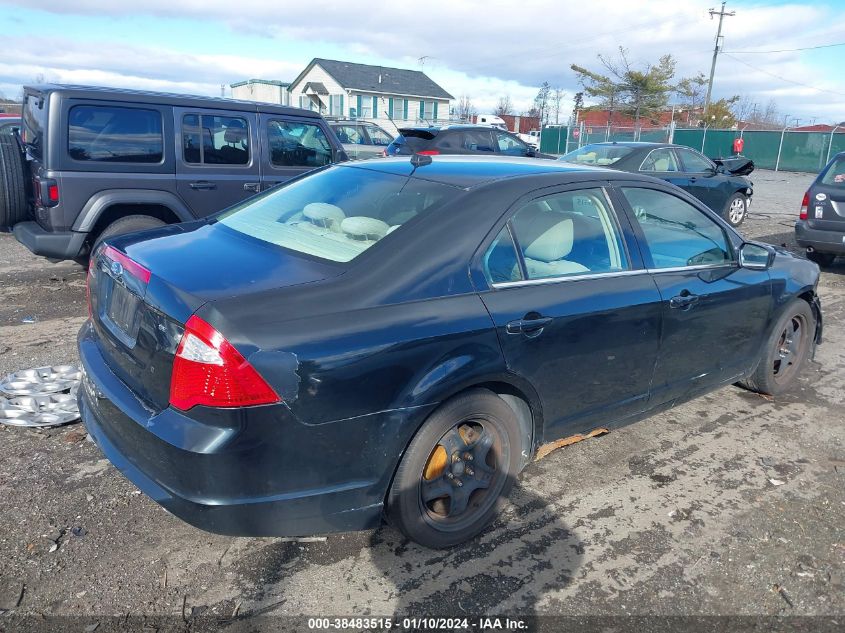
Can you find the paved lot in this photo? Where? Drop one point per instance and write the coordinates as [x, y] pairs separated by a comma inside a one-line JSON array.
[[675, 515]]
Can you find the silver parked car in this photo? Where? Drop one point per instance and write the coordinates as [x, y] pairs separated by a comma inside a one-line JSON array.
[[361, 139]]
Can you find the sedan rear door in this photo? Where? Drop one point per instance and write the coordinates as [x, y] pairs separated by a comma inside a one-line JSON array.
[[714, 312], [575, 312], [712, 188]]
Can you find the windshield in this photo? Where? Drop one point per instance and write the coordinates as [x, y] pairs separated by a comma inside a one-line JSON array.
[[835, 174], [597, 154], [336, 213]]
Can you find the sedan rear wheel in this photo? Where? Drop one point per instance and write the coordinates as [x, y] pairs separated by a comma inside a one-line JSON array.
[[736, 208], [453, 477], [786, 351], [824, 260]]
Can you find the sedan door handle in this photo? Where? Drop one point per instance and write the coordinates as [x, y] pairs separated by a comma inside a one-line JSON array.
[[202, 184], [252, 186], [683, 301], [530, 326]]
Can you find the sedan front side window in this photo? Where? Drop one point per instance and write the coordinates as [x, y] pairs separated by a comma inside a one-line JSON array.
[[677, 234]]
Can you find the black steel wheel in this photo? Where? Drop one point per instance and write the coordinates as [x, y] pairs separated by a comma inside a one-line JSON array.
[[786, 350], [457, 469]]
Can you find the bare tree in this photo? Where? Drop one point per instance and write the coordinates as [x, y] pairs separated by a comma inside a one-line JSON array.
[[504, 106], [465, 110], [557, 98]]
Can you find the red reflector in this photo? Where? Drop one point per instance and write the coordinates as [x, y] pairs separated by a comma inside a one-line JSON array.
[[804, 204], [133, 268], [429, 152], [53, 193], [210, 372]]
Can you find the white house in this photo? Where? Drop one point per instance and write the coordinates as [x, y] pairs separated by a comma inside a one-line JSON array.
[[264, 90], [390, 97]]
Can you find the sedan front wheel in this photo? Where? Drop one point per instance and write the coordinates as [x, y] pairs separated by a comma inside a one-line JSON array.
[[736, 208]]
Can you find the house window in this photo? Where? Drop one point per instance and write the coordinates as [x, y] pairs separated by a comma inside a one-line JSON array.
[[427, 110], [336, 105], [365, 107]]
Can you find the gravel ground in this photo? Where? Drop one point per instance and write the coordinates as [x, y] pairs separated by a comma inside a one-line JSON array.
[[681, 514]]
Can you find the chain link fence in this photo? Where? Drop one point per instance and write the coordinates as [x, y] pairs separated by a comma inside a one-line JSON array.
[[785, 149]]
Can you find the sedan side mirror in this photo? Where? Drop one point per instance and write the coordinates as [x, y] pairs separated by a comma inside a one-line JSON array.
[[530, 152], [756, 256]]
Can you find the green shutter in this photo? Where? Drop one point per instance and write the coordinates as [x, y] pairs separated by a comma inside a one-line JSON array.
[[435, 111], [360, 105], [390, 108], [375, 107], [421, 114], [404, 109], [341, 106]]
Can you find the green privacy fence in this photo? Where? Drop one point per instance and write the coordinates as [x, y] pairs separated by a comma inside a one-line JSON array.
[[785, 150]]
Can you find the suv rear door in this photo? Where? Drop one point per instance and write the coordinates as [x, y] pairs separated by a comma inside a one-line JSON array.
[[291, 146], [217, 163]]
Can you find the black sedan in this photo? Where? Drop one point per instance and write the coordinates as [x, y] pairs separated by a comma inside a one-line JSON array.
[[479, 140], [721, 185], [398, 338]]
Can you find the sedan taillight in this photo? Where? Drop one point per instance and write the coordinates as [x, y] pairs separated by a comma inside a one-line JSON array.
[[210, 372], [805, 203]]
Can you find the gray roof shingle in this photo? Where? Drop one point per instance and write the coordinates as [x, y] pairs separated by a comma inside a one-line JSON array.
[[393, 80]]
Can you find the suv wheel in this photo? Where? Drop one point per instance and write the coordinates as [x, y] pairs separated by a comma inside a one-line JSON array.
[[12, 183], [128, 224], [822, 259]]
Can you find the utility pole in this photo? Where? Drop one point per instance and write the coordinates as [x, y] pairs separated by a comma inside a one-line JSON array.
[[722, 13]]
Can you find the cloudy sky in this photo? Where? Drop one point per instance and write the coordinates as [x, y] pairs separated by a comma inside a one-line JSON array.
[[481, 49]]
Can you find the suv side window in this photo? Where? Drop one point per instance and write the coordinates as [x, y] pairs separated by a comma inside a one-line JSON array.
[[677, 234], [115, 135], [510, 145], [569, 233], [215, 140], [478, 140], [660, 160], [378, 136], [295, 144]]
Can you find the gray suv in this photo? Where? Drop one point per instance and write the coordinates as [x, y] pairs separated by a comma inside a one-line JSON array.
[[91, 163]]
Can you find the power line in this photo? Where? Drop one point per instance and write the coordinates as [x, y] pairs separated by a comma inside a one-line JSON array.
[[791, 81], [785, 50]]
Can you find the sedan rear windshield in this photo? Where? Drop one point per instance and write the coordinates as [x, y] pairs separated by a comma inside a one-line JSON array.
[[597, 154], [336, 213], [835, 175]]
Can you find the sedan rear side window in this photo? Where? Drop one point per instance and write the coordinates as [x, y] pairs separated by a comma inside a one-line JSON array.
[[294, 144], [694, 162], [336, 213], [569, 233], [215, 140], [677, 234], [660, 160], [115, 135]]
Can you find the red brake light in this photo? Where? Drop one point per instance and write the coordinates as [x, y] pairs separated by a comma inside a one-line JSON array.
[[804, 204], [209, 371], [133, 268], [429, 152], [53, 194]]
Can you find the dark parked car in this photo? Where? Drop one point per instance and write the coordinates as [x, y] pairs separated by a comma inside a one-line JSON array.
[[721, 185], [821, 225], [398, 337], [361, 139], [483, 140], [98, 162]]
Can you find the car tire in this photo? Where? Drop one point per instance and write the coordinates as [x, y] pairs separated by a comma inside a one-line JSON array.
[[736, 208], [127, 224], [786, 350], [822, 259], [466, 454], [13, 208]]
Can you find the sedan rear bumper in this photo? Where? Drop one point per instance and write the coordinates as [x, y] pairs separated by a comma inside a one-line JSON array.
[[821, 241], [266, 475]]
